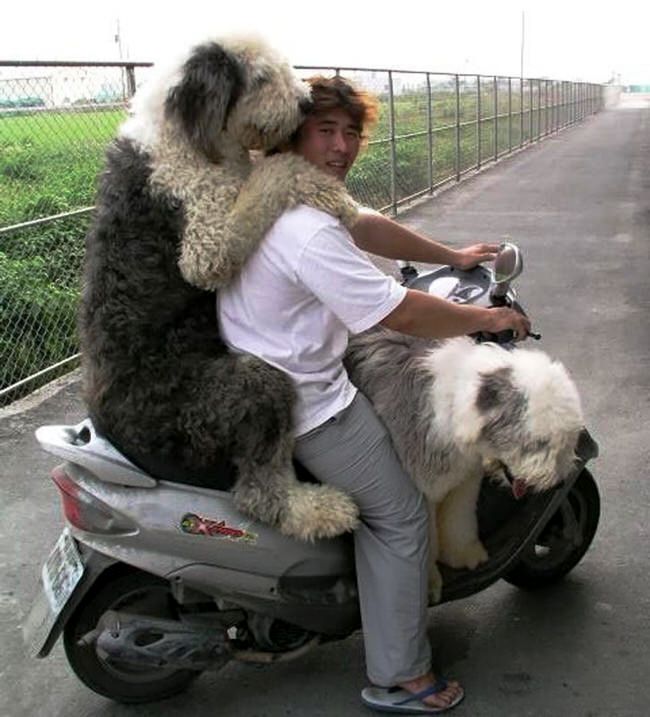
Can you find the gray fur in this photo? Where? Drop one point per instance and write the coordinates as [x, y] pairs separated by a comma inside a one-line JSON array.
[[504, 407], [388, 367]]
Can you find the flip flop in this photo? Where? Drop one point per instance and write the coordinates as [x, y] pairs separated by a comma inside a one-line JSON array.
[[394, 699]]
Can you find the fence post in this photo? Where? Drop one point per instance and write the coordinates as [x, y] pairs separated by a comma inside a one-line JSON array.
[[539, 109], [130, 80], [457, 129], [521, 112], [478, 121], [574, 102], [496, 119], [593, 99], [530, 83], [509, 115], [430, 133], [393, 150]]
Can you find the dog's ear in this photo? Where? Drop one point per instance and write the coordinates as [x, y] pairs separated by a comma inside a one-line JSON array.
[[502, 406], [211, 83], [494, 390]]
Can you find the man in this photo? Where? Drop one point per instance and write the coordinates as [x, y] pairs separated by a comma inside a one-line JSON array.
[[293, 304]]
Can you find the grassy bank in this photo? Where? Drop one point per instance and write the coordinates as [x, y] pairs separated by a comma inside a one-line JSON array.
[[49, 161]]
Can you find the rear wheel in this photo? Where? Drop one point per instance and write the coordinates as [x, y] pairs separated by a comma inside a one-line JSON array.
[[564, 539], [138, 593]]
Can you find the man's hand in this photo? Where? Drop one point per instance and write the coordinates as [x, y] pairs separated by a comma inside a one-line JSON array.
[[471, 256], [502, 319]]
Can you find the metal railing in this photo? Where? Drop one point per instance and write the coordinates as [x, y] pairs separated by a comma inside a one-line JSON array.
[[56, 119]]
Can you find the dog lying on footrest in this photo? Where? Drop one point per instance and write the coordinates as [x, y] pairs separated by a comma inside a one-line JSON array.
[[458, 410]]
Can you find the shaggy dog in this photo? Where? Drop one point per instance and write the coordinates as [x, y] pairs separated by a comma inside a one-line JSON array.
[[457, 410], [180, 208]]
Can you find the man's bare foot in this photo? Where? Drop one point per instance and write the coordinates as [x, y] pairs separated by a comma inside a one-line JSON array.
[[444, 698]]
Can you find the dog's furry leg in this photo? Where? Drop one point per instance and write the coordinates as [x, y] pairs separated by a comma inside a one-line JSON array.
[[460, 546], [271, 492], [435, 578]]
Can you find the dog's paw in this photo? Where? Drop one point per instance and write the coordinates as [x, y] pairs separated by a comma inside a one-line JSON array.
[[468, 555], [318, 511], [435, 584]]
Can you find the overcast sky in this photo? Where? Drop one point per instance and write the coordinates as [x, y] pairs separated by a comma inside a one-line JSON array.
[[579, 40]]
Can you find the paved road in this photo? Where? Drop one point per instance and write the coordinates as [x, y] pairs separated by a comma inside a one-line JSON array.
[[578, 205]]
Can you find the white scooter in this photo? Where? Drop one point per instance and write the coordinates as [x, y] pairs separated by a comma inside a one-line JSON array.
[[152, 582]]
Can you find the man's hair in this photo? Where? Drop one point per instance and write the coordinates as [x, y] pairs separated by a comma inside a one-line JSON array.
[[334, 93]]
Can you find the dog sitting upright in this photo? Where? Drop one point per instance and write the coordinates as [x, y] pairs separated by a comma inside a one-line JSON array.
[[180, 208]]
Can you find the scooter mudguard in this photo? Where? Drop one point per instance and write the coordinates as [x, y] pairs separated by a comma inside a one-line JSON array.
[[67, 575]]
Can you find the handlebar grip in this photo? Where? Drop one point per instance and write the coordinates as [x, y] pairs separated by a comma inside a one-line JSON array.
[[502, 337]]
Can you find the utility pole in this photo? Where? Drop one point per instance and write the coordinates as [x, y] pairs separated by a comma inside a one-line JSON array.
[[523, 24], [118, 38]]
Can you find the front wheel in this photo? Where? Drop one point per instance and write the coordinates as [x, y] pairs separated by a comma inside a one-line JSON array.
[[564, 539], [138, 593]]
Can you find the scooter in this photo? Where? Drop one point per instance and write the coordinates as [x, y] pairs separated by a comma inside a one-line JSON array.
[[153, 582]]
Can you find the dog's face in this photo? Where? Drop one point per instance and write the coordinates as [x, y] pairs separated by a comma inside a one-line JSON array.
[[237, 92], [530, 420], [271, 104]]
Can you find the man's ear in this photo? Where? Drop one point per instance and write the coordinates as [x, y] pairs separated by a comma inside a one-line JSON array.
[[212, 82]]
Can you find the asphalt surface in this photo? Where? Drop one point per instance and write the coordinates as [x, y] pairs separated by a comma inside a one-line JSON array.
[[578, 204]]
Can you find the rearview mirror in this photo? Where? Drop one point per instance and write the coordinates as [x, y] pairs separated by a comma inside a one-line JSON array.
[[507, 267]]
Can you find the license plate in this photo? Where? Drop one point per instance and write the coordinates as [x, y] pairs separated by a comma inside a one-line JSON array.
[[62, 572]]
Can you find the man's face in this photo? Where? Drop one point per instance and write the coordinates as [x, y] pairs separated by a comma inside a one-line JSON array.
[[331, 142]]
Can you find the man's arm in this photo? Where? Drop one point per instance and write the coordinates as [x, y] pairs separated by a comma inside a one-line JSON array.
[[421, 314], [380, 235]]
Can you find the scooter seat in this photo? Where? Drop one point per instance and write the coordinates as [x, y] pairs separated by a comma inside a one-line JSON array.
[[218, 475]]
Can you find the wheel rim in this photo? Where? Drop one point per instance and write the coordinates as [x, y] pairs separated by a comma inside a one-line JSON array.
[[562, 535]]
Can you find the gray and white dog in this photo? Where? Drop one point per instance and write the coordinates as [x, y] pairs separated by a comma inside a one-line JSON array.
[[458, 410]]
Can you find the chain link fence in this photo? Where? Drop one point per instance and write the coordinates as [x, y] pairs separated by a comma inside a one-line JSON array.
[[57, 118]]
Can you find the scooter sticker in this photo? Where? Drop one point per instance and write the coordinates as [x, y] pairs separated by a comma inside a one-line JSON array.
[[196, 525]]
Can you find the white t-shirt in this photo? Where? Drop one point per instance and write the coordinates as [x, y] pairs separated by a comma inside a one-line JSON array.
[[295, 301]]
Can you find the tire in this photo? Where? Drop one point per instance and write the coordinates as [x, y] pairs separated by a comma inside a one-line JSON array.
[[563, 540], [128, 683]]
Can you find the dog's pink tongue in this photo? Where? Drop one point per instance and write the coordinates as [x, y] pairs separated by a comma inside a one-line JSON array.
[[518, 488]]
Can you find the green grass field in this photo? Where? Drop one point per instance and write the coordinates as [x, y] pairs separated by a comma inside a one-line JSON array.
[[48, 165], [49, 161]]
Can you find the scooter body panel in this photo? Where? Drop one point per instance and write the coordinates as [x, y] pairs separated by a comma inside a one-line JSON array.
[[176, 524]]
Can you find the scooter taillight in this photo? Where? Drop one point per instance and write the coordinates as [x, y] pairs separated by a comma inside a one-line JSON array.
[[86, 512]]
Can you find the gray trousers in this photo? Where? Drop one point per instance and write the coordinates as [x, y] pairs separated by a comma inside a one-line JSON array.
[[354, 452]]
